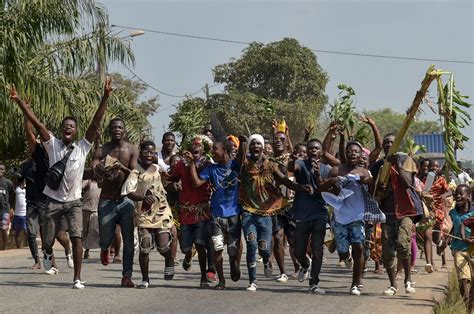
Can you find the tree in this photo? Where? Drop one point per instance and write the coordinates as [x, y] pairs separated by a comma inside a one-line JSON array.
[[133, 91], [283, 76], [51, 51], [189, 119], [389, 121]]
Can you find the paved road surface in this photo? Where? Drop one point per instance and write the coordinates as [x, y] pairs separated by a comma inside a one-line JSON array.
[[25, 291]]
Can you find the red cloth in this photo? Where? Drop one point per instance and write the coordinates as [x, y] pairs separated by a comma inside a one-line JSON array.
[[404, 205], [190, 195]]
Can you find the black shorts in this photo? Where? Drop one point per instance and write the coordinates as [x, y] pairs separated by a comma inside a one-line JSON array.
[[196, 233]]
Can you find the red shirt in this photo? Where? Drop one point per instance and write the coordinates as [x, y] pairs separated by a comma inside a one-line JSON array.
[[191, 196]]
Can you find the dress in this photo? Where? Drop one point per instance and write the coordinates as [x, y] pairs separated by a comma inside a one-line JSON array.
[[148, 182]]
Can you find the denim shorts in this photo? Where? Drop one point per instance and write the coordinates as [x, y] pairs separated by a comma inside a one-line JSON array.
[[195, 233], [353, 232], [5, 221]]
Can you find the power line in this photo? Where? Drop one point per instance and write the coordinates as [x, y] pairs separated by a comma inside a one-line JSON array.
[[135, 75], [347, 53]]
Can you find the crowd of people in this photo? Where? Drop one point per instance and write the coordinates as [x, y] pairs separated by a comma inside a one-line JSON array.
[[219, 192]]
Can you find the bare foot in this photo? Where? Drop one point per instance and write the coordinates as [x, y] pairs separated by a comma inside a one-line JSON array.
[[36, 266]]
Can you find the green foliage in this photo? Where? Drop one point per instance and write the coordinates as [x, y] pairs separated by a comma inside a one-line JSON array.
[[133, 90], [280, 79], [189, 119], [50, 52], [453, 304], [411, 148], [389, 121], [452, 108]]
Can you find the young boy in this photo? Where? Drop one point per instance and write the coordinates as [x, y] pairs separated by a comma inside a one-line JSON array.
[[153, 215], [460, 248]]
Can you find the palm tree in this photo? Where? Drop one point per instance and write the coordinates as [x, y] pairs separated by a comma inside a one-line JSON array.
[[51, 51]]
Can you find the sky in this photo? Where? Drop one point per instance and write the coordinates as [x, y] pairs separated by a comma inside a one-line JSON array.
[[436, 29]]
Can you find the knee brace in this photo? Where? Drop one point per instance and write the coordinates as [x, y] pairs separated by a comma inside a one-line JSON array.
[[218, 242], [145, 242], [165, 248]]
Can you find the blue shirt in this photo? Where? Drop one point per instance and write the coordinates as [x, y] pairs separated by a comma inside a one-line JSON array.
[[309, 207], [225, 188], [459, 245]]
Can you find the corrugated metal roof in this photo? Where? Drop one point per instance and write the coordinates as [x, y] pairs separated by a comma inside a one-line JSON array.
[[434, 142]]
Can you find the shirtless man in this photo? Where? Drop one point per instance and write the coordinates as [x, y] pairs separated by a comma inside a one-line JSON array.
[[112, 165]]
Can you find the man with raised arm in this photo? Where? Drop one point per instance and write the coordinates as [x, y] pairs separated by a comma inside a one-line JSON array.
[[66, 199]]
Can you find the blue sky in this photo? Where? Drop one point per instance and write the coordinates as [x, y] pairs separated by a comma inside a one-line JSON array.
[[424, 29]]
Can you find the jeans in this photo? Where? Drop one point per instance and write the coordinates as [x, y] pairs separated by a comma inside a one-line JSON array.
[[317, 230], [112, 213], [258, 233]]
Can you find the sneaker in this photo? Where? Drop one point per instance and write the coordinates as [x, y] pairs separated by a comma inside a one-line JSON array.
[[52, 271], [355, 290], [409, 287], [211, 276], [70, 261], [316, 290], [79, 285], [303, 274], [105, 257], [348, 262], [143, 285], [390, 291], [283, 278], [259, 260], [268, 269], [47, 261], [127, 282], [429, 268], [252, 287]]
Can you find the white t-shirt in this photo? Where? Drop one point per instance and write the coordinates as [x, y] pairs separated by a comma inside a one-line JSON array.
[[20, 202], [70, 188], [161, 162]]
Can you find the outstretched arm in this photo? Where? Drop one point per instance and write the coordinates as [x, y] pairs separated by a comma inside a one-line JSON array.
[[30, 136], [196, 181], [42, 130], [328, 142], [307, 133], [374, 154], [91, 133], [281, 178]]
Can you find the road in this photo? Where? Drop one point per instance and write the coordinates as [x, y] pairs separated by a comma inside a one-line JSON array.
[[23, 290]]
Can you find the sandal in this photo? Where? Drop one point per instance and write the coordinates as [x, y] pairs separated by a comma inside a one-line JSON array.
[[169, 272], [117, 260], [220, 286], [187, 264]]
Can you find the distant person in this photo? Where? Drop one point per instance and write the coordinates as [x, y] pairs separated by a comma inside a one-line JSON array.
[[167, 150], [19, 217], [463, 177], [90, 219], [7, 200]]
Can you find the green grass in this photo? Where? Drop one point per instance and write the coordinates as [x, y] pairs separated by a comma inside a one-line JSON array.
[[453, 303]]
